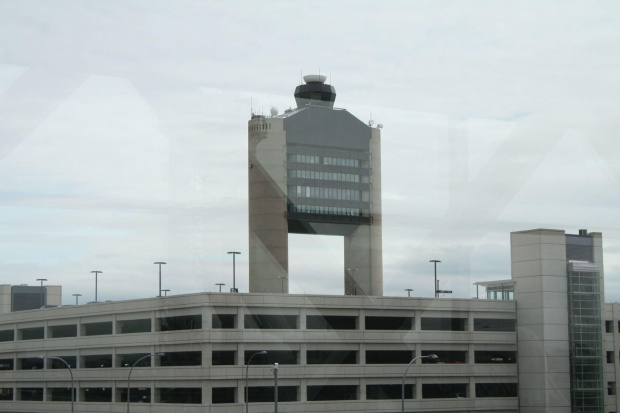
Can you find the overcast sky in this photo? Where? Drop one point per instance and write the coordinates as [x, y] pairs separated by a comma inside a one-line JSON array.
[[123, 135]]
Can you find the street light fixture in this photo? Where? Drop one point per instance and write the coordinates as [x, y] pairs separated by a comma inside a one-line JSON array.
[[165, 293], [70, 372], [275, 388], [408, 291], [42, 279], [430, 356], [247, 366], [234, 253], [96, 274], [351, 275], [220, 285], [160, 263], [130, 370], [76, 298], [283, 277], [436, 288]]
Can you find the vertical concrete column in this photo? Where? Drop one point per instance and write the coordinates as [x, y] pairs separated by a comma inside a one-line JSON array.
[[268, 226], [539, 269]]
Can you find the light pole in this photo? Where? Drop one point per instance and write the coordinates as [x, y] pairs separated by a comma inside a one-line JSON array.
[[430, 356], [351, 275], [247, 366], [165, 293], [275, 389], [220, 285], [408, 291], [435, 262], [234, 289], [283, 277], [130, 370], [160, 263], [42, 279], [96, 274], [76, 298], [70, 372]]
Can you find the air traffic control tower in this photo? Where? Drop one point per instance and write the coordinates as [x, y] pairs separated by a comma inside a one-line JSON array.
[[315, 169]]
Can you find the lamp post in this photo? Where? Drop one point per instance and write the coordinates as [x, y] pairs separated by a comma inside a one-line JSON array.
[[96, 274], [234, 289], [408, 291], [160, 263], [352, 275], [220, 285], [275, 389], [130, 370], [76, 298], [430, 356], [435, 262], [42, 279], [283, 277], [247, 366], [70, 372], [165, 292]]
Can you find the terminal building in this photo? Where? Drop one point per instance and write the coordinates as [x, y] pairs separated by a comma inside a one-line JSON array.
[[545, 343]]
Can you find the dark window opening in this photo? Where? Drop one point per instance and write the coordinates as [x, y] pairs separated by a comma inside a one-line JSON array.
[[128, 360], [98, 361], [60, 394], [34, 333], [99, 329], [611, 388], [136, 395], [331, 357], [447, 357], [444, 391], [494, 324], [333, 392], [30, 363], [7, 335], [6, 394], [27, 301], [221, 395], [609, 326], [98, 394], [57, 364], [135, 326], [7, 364], [264, 394], [388, 391], [181, 358], [388, 356], [492, 357], [389, 323], [331, 322], [496, 389], [189, 395], [187, 322], [270, 321], [223, 321], [62, 331], [444, 324], [610, 357], [273, 356], [224, 357], [33, 394]]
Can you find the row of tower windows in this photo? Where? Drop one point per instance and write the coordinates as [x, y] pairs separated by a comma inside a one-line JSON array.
[[325, 160], [327, 176], [303, 191], [320, 209], [260, 126]]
